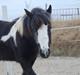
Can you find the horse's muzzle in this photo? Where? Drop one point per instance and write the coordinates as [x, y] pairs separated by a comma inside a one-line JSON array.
[[44, 54]]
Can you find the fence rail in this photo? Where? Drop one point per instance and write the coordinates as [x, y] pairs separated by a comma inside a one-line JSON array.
[[66, 14], [63, 28]]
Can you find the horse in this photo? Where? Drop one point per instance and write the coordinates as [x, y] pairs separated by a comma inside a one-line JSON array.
[[24, 37]]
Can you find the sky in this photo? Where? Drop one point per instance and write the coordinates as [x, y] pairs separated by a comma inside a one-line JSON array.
[[16, 7]]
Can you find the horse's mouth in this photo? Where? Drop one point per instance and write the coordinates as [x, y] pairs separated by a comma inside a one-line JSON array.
[[44, 54]]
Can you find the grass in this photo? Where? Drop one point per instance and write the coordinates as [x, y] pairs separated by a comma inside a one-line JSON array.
[[65, 42]]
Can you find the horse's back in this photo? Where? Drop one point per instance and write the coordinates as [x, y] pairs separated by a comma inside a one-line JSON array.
[[5, 27], [3, 24]]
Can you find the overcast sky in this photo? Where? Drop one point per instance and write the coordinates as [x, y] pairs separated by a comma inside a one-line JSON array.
[[16, 7]]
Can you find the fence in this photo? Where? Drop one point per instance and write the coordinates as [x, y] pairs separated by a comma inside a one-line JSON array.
[[66, 14], [58, 14]]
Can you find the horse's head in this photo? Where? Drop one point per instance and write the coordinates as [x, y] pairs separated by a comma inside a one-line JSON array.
[[40, 22]]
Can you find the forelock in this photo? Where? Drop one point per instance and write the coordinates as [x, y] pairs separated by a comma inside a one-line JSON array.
[[42, 14]]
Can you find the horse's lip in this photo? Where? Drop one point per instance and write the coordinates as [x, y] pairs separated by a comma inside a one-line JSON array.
[[43, 55]]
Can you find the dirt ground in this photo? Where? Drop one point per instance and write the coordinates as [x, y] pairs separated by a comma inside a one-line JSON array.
[[50, 66], [58, 66]]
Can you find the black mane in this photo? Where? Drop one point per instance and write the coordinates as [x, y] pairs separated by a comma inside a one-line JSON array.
[[39, 17], [45, 16]]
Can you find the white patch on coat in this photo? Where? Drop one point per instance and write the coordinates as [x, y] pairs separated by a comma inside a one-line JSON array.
[[43, 38], [18, 26]]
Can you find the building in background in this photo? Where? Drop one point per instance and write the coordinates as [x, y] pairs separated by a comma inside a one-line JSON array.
[[4, 12]]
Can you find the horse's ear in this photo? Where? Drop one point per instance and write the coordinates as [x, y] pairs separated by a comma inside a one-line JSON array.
[[49, 10], [28, 13]]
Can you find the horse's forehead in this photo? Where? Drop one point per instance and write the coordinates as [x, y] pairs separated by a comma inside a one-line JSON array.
[[44, 17], [38, 11]]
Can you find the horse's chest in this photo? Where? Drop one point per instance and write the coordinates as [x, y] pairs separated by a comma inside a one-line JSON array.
[[26, 46]]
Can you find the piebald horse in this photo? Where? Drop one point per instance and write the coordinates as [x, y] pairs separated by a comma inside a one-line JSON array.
[[24, 37]]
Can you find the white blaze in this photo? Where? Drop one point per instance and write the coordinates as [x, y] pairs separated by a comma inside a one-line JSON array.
[[43, 38]]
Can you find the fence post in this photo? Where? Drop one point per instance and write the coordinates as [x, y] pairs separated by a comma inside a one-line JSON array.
[[78, 11]]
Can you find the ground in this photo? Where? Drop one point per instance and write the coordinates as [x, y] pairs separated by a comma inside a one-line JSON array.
[[50, 66], [58, 66]]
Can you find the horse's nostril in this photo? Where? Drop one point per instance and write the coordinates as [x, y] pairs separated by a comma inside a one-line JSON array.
[[49, 51]]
